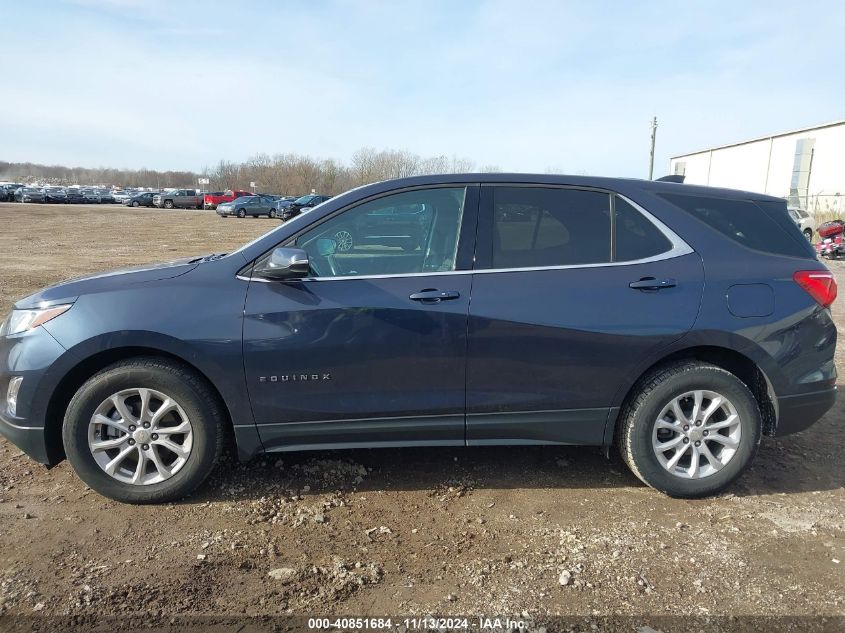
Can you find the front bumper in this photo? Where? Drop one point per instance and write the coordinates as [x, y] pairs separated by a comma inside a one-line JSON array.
[[35, 356], [797, 413], [30, 439]]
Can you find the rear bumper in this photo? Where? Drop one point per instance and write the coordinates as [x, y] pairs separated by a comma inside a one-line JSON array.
[[30, 439], [797, 413]]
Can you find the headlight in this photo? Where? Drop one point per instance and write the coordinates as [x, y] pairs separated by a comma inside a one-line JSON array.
[[24, 320]]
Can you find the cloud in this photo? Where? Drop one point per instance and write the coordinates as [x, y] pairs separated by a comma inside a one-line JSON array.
[[525, 86]]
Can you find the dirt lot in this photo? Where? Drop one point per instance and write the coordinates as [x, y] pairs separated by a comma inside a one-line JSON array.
[[398, 532]]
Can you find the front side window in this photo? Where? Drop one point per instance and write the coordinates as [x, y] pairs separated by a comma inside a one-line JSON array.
[[537, 227], [404, 233]]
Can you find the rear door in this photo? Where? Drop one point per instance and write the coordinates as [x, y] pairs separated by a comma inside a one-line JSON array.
[[572, 288], [370, 349]]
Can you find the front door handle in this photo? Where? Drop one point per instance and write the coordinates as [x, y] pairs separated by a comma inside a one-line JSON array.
[[650, 283], [430, 295]]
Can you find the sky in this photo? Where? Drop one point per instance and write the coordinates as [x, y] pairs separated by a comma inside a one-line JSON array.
[[525, 85]]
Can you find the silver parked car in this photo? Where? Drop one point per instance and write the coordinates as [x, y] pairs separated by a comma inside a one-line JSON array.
[[804, 220], [248, 205]]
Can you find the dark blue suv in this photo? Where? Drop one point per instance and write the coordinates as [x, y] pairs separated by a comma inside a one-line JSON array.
[[679, 323]]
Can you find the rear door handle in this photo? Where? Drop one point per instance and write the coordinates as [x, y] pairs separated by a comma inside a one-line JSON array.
[[430, 295], [650, 283]]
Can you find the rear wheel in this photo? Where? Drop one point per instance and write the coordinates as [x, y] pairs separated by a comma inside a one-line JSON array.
[[690, 429], [144, 431]]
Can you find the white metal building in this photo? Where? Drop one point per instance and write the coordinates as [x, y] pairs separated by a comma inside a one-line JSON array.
[[806, 166]]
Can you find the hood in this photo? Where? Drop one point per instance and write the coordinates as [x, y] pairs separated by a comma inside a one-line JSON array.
[[68, 291]]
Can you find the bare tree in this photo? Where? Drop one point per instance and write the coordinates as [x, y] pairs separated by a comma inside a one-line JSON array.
[[281, 174]]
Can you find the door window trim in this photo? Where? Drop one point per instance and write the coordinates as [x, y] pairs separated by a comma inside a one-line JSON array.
[[679, 246], [466, 236]]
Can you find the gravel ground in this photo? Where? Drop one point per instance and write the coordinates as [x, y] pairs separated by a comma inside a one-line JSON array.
[[530, 531]]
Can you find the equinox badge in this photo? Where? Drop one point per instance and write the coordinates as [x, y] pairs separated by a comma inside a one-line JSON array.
[[295, 377]]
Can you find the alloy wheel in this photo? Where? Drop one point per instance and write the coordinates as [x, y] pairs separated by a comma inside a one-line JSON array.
[[696, 434], [344, 240], [140, 436]]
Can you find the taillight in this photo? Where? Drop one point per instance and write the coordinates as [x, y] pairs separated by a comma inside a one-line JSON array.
[[819, 284]]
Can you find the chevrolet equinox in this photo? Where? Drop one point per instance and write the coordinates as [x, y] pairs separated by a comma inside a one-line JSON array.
[[678, 323]]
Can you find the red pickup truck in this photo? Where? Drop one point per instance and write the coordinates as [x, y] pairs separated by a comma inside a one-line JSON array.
[[211, 200]]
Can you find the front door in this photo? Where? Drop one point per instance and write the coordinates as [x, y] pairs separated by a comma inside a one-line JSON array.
[[370, 349], [573, 289]]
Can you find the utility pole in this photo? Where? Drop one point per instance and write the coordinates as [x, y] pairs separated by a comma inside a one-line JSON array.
[[651, 154]]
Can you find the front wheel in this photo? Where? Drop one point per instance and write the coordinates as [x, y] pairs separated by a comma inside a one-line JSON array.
[[808, 234], [144, 431], [241, 213], [272, 213], [168, 204], [689, 429], [136, 204]]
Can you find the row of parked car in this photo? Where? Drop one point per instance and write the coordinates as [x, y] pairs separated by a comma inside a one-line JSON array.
[[282, 207], [16, 192], [236, 203]]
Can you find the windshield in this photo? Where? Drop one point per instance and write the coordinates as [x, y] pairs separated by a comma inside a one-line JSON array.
[[304, 199]]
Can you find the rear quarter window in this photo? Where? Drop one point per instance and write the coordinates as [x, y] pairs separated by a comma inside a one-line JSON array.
[[762, 226]]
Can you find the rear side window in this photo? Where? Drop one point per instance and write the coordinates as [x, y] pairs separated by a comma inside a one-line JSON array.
[[636, 237], [762, 226], [534, 226]]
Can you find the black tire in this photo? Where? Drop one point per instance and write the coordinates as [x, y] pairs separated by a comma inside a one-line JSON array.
[[168, 204], [656, 390], [808, 233], [241, 213], [182, 384], [272, 213], [135, 203]]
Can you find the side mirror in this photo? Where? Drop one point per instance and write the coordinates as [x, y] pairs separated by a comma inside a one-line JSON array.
[[284, 263]]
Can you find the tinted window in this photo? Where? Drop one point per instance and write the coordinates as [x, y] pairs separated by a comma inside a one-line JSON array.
[[762, 226], [636, 236], [369, 241], [534, 226]]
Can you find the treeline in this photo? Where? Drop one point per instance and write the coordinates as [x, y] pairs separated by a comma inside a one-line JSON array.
[[61, 175], [295, 173], [292, 174]]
